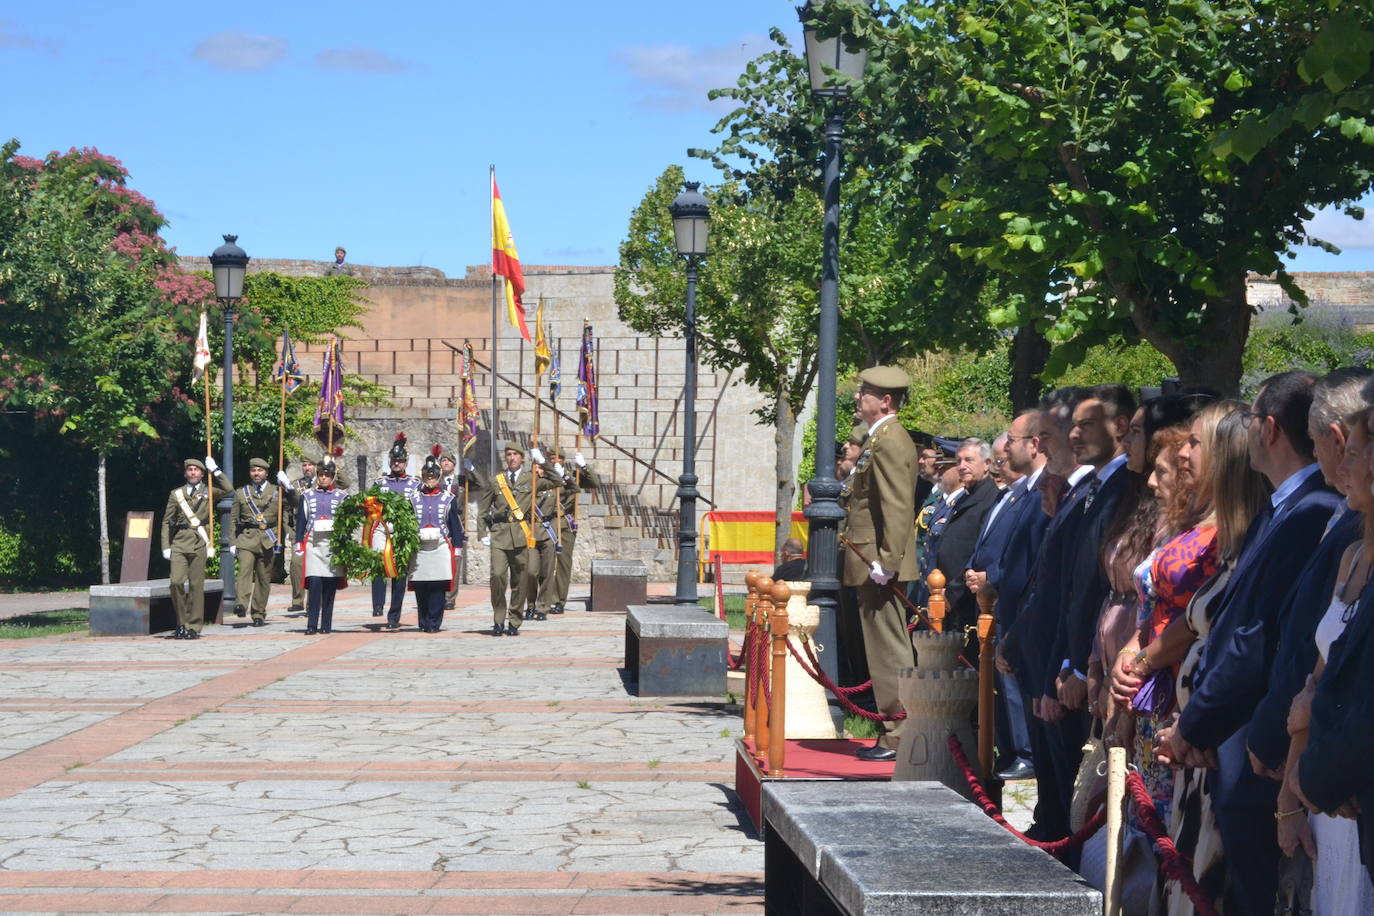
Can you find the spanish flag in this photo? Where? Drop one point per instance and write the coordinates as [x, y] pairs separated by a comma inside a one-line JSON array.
[[505, 262]]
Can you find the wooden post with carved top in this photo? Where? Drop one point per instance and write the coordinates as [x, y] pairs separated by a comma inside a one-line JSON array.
[[987, 679], [937, 607], [751, 579], [763, 611], [777, 726]]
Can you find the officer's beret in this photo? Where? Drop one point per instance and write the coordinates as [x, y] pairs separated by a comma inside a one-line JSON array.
[[258, 463], [193, 463], [888, 378], [858, 433], [513, 447], [448, 456]]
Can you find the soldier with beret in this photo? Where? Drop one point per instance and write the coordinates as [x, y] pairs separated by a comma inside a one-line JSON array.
[[402, 484], [186, 543], [434, 570], [880, 498], [257, 536], [314, 526], [577, 477], [456, 484], [542, 565], [505, 526], [301, 484]]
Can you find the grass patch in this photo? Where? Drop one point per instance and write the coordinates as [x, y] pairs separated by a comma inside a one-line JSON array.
[[45, 623], [655, 764], [583, 784], [725, 732], [860, 727], [734, 609]]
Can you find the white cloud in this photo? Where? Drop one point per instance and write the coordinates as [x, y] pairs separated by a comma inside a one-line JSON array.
[[233, 49], [367, 60], [11, 38], [1331, 225], [677, 78]]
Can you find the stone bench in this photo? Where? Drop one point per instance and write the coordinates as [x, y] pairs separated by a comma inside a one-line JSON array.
[[617, 584], [143, 608], [892, 849], [675, 651]]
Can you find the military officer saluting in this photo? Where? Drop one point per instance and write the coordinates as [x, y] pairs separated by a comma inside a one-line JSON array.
[[880, 499], [186, 543], [577, 477], [314, 526], [257, 536], [456, 484], [402, 484], [505, 526], [302, 483], [542, 565], [434, 570]]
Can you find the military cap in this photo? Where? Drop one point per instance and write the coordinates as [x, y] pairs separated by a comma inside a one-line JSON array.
[[259, 463], [858, 434], [887, 378], [448, 456], [512, 446], [193, 463]]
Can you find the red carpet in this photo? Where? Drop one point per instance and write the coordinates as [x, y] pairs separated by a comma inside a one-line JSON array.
[[806, 758]]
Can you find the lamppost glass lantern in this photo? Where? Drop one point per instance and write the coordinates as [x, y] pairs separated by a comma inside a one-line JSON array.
[[691, 221], [838, 52], [229, 263]]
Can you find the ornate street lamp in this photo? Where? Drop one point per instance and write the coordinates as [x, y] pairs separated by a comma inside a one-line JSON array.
[[832, 64], [228, 264], [691, 224]]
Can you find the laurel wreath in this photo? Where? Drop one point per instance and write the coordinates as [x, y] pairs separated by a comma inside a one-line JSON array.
[[359, 560]]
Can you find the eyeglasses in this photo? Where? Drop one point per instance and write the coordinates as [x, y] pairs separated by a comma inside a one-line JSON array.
[[1019, 438], [1248, 417]]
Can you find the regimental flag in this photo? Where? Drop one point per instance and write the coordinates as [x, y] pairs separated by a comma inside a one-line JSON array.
[[331, 406], [556, 371], [287, 367], [505, 262], [469, 417], [586, 385], [201, 361], [542, 357]]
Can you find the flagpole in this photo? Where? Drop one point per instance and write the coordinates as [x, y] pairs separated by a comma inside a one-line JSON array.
[[464, 440], [553, 403], [329, 362], [495, 410], [209, 478], [281, 442]]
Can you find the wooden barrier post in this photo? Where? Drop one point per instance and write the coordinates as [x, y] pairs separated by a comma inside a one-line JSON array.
[[987, 682], [1116, 814], [936, 608], [762, 612], [777, 727], [751, 579]]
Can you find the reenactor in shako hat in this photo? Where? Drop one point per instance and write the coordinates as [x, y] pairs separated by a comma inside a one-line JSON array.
[[258, 536], [434, 570], [314, 526], [399, 482], [186, 542], [457, 484], [880, 498]]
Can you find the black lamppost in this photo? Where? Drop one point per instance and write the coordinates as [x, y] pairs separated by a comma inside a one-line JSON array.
[[691, 223], [228, 264], [824, 56]]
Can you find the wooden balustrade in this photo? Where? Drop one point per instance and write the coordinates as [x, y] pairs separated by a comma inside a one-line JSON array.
[[777, 724], [937, 605], [763, 612], [751, 579], [987, 678]]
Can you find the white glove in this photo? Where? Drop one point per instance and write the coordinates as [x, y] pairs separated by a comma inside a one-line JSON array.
[[233, 550], [486, 541], [457, 551], [536, 456], [579, 460], [210, 465], [166, 553], [283, 479], [558, 468], [300, 549], [879, 575], [469, 466]]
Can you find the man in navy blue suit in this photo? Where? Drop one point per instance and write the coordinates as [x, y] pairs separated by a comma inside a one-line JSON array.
[[1234, 664], [1002, 560]]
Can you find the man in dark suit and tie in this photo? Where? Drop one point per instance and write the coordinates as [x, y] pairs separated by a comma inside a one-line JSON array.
[[963, 525], [1234, 665]]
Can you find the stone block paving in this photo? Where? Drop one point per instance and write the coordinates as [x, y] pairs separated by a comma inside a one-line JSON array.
[[260, 770]]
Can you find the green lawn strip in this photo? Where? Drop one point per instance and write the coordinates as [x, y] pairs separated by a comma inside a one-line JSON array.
[[44, 623], [734, 609]]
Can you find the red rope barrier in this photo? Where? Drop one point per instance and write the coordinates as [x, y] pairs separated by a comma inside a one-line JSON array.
[[980, 796], [1174, 864], [820, 677], [760, 666], [736, 661]]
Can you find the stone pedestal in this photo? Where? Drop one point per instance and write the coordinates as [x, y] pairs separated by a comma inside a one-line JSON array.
[[673, 651], [808, 707], [937, 651], [143, 608], [937, 703], [618, 584]]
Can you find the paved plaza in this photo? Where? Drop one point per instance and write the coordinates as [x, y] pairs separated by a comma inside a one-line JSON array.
[[266, 771]]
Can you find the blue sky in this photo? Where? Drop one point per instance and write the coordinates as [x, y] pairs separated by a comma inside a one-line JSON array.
[[303, 126]]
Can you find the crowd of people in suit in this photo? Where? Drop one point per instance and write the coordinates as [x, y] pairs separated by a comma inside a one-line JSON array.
[[1182, 576]]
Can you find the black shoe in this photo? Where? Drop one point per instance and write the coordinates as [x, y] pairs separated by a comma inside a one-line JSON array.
[[240, 611], [448, 605], [1021, 769], [311, 631], [393, 624], [498, 630], [556, 609], [326, 629], [178, 633], [259, 622], [876, 753], [512, 631], [191, 634], [376, 612], [529, 614], [539, 616], [295, 609]]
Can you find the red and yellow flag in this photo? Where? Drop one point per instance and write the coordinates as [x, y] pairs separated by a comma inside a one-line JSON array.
[[542, 356], [505, 262]]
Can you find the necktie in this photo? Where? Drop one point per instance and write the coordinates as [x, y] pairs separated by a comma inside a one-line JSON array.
[[511, 474], [1093, 487]]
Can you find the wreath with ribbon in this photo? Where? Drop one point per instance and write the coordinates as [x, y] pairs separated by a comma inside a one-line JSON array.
[[355, 521]]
